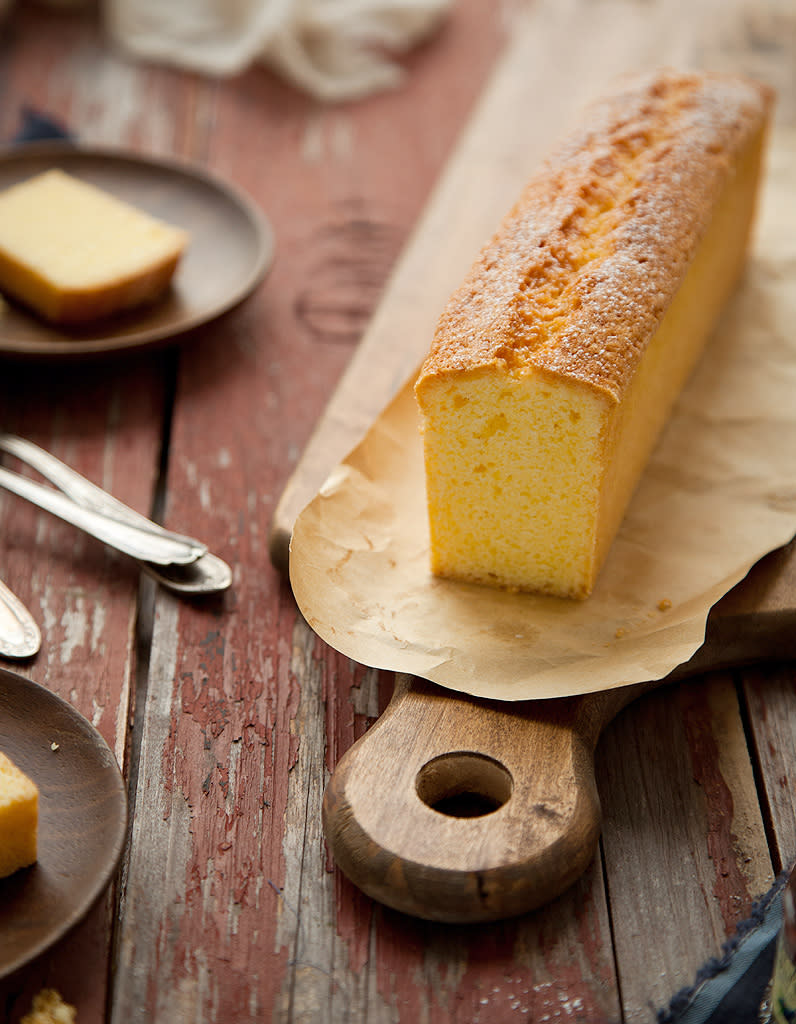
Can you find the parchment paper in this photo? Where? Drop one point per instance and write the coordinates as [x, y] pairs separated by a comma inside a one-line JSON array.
[[719, 492]]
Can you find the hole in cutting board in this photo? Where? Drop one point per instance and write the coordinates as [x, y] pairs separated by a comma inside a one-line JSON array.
[[462, 784]]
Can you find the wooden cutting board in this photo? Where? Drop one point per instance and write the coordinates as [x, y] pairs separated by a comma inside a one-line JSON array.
[[455, 808]]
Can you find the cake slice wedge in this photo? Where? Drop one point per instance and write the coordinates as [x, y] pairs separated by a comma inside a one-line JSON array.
[[74, 253], [557, 362]]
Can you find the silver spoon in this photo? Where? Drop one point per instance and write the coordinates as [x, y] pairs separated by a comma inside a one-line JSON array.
[[208, 574], [19, 634]]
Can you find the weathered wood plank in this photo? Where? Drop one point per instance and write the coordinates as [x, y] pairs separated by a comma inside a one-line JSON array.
[[683, 839], [771, 702], [104, 417]]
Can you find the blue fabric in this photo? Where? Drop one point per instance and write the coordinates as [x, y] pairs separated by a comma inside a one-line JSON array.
[[37, 127], [730, 988]]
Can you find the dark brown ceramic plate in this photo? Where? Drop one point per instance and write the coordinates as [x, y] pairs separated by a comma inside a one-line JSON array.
[[82, 819], [230, 248]]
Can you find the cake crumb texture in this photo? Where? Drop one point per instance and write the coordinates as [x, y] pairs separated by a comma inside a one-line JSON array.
[[19, 818]]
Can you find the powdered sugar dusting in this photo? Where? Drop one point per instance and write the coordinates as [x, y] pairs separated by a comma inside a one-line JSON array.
[[583, 268]]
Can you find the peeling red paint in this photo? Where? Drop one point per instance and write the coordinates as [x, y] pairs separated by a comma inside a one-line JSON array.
[[730, 885]]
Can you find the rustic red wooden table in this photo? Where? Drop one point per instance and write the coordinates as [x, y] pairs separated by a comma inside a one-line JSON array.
[[227, 715]]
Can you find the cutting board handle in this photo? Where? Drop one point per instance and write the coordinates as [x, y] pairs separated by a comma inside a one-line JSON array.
[[463, 810]]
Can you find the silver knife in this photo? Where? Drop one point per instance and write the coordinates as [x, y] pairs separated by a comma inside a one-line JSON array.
[[162, 548]]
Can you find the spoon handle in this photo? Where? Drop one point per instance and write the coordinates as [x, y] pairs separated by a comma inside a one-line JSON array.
[[130, 540], [84, 493]]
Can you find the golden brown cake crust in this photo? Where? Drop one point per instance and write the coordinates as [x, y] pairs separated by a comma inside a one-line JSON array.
[[582, 269]]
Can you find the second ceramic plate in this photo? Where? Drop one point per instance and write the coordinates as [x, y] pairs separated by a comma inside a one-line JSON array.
[[82, 819], [230, 248]]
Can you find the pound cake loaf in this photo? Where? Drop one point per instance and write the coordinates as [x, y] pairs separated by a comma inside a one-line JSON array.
[[557, 362], [74, 254], [19, 818]]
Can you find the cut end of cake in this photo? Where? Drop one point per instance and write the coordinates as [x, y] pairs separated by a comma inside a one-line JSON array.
[[513, 464], [74, 254], [19, 818]]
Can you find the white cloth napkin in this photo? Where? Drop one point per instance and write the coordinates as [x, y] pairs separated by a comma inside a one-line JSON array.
[[332, 49]]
